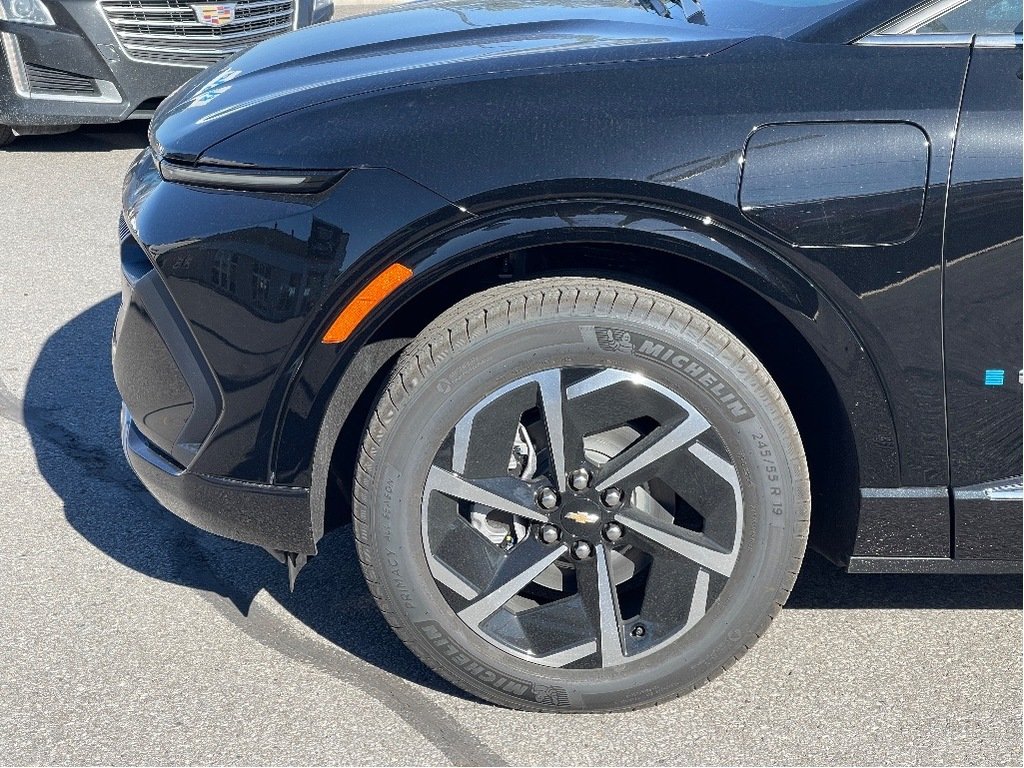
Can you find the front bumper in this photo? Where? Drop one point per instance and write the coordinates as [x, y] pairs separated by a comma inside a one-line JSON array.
[[170, 404], [217, 353], [269, 516]]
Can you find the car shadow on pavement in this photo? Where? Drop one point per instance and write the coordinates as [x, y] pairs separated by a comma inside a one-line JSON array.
[[71, 412], [131, 134]]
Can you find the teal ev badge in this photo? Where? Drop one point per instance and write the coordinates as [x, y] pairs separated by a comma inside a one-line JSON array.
[[994, 377]]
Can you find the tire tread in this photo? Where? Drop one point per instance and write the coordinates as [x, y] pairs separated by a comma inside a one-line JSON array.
[[482, 313]]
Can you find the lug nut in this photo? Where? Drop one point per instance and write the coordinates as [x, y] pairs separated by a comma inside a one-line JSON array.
[[582, 550], [549, 534], [579, 479], [613, 531], [612, 497], [639, 630], [548, 498]]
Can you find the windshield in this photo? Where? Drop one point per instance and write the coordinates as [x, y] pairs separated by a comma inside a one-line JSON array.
[[779, 18]]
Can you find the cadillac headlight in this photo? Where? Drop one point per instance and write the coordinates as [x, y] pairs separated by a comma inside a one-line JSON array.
[[25, 12]]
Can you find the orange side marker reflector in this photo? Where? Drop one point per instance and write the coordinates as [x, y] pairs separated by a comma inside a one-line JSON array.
[[373, 294]]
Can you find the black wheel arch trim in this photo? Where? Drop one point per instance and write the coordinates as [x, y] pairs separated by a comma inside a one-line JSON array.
[[711, 240]]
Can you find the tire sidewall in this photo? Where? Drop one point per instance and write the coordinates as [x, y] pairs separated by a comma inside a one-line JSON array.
[[752, 426]]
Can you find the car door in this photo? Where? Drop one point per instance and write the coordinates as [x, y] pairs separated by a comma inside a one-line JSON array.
[[916, 519], [982, 302]]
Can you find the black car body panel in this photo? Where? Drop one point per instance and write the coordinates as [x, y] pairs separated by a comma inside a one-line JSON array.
[[412, 46], [80, 70], [255, 513], [798, 182], [476, 138]]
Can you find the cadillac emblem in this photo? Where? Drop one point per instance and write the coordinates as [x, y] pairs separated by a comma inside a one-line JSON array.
[[218, 15]]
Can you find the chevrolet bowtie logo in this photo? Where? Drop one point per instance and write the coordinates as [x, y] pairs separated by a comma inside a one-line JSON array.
[[217, 15], [583, 517]]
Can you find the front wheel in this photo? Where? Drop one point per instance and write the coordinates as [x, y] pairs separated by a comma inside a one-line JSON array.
[[6, 135], [576, 494]]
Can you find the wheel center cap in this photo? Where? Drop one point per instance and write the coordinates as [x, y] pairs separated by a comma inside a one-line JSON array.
[[582, 518]]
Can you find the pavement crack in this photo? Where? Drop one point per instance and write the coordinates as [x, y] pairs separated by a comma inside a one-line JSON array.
[[430, 720], [10, 406], [94, 458], [191, 568]]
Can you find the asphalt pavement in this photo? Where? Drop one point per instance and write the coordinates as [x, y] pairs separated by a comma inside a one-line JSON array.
[[131, 637]]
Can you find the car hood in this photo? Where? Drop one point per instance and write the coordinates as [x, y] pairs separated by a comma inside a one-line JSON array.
[[416, 43]]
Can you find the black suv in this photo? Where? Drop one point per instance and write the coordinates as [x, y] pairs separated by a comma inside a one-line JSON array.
[[594, 312], [69, 62]]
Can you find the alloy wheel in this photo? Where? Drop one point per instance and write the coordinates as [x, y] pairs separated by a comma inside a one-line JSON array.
[[581, 517]]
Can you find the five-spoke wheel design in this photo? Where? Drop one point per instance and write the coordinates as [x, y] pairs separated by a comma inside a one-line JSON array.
[[579, 494], [581, 518]]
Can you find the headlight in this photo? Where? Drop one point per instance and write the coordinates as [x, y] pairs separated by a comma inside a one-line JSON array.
[[25, 12], [319, 5], [250, 179]]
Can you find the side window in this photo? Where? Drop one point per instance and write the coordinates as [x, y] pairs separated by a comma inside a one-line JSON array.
[[975, 17], [953, 22]]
